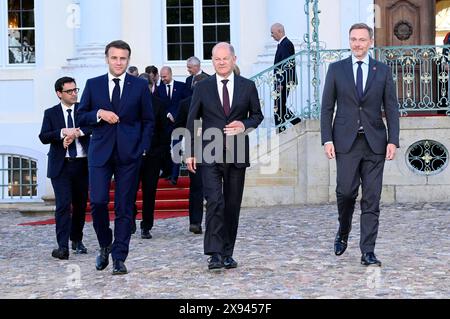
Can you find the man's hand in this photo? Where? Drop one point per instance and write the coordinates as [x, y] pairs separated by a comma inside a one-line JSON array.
[[390, 152], [67, 141], [330, 151], [108, 116], [71, 132], [235, 128], [191, 163]]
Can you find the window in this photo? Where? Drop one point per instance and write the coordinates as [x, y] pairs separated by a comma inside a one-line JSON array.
[[18, 177], [195, 26], [21, 32]]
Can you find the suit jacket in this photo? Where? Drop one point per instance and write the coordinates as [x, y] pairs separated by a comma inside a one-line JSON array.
[[352, 113], [189, 88], [183, 112], [179, 92], [161, 138], [132, 135], [285, 50], [206, 104], [52, 125]]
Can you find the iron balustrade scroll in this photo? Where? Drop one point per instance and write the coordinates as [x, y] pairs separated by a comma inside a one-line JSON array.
[[420, 74]]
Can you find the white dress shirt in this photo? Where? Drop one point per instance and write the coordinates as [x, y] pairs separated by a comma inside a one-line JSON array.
[[80, 151], [230, 87], [111, 83], [364, 67]]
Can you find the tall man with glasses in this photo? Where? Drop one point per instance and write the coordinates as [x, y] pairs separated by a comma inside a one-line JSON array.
[[357, 91], [67, 166], [119, 107]]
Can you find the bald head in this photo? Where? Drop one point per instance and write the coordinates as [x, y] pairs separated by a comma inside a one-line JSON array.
[[277, 31], [166, 74]]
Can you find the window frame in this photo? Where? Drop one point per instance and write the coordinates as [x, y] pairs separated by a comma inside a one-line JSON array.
[[6, 177], [198, 32], [4, 43]]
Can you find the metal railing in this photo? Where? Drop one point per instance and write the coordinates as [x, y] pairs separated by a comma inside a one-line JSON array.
[[420, 73]]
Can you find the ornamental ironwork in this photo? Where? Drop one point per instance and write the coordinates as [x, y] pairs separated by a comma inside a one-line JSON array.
[[403, 30], [427, 157]]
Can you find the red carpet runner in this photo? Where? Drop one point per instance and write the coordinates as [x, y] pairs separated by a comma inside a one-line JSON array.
[[172, 201]]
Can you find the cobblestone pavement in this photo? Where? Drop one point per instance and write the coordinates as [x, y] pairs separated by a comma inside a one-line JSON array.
[[283, 252]]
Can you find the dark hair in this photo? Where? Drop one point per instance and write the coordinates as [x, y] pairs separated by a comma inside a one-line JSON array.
[[199, 77], [59, 84], [132, 69], [151, 69], [118, 44], [358, 26], [146, 77]]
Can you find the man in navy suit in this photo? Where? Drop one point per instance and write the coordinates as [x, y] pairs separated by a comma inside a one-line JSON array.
[[194, 68], [171, 92], [67, 167], [229, 105], [119, 108], [285, 75], [362, 88]]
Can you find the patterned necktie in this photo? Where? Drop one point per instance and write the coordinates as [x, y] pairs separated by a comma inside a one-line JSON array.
[[115, 101], [359, 80], [72, 147], [226, 98]]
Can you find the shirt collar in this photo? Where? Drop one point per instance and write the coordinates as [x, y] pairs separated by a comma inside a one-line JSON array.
[[67, 107], [365, 60], [281, 40], [112, 77], [230, 78], [171, 83]]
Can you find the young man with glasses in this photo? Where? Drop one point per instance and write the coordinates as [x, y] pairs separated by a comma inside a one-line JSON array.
[[67, 167]]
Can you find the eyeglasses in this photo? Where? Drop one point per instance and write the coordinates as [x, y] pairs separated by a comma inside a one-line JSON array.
[[72, 91]]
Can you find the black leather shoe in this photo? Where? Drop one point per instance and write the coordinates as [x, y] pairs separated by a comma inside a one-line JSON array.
[[296, 120], [102, 260], [368, 259], [340, 243], [196, 229], [229, 262], [119, 268], [215, 262], [79, 247], [60, 253], [145, 234], [173, 181]]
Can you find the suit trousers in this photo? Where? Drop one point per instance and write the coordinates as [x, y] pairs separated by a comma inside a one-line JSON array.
[[71, 194], [223, 187], [196, 197], [360, 166], [151, 166], [126, 178]]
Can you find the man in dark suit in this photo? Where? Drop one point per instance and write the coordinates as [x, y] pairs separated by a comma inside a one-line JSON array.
[[67, 167], [171, 92], [228, 106], [285, 76], [120, 109], [194, 68], [195, 185], [152, 164], [362, 87]]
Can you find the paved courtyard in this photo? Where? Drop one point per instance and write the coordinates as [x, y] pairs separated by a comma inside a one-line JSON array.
[[283, 252]]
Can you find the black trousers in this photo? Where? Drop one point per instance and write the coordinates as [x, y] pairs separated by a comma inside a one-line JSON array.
[[149, 174], [196, 197], [71, 194], [360, 166], [282, 113], [223, 187]]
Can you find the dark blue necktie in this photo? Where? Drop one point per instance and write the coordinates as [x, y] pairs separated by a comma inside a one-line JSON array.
[[72, 147], [115, 101], [359, 80]]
